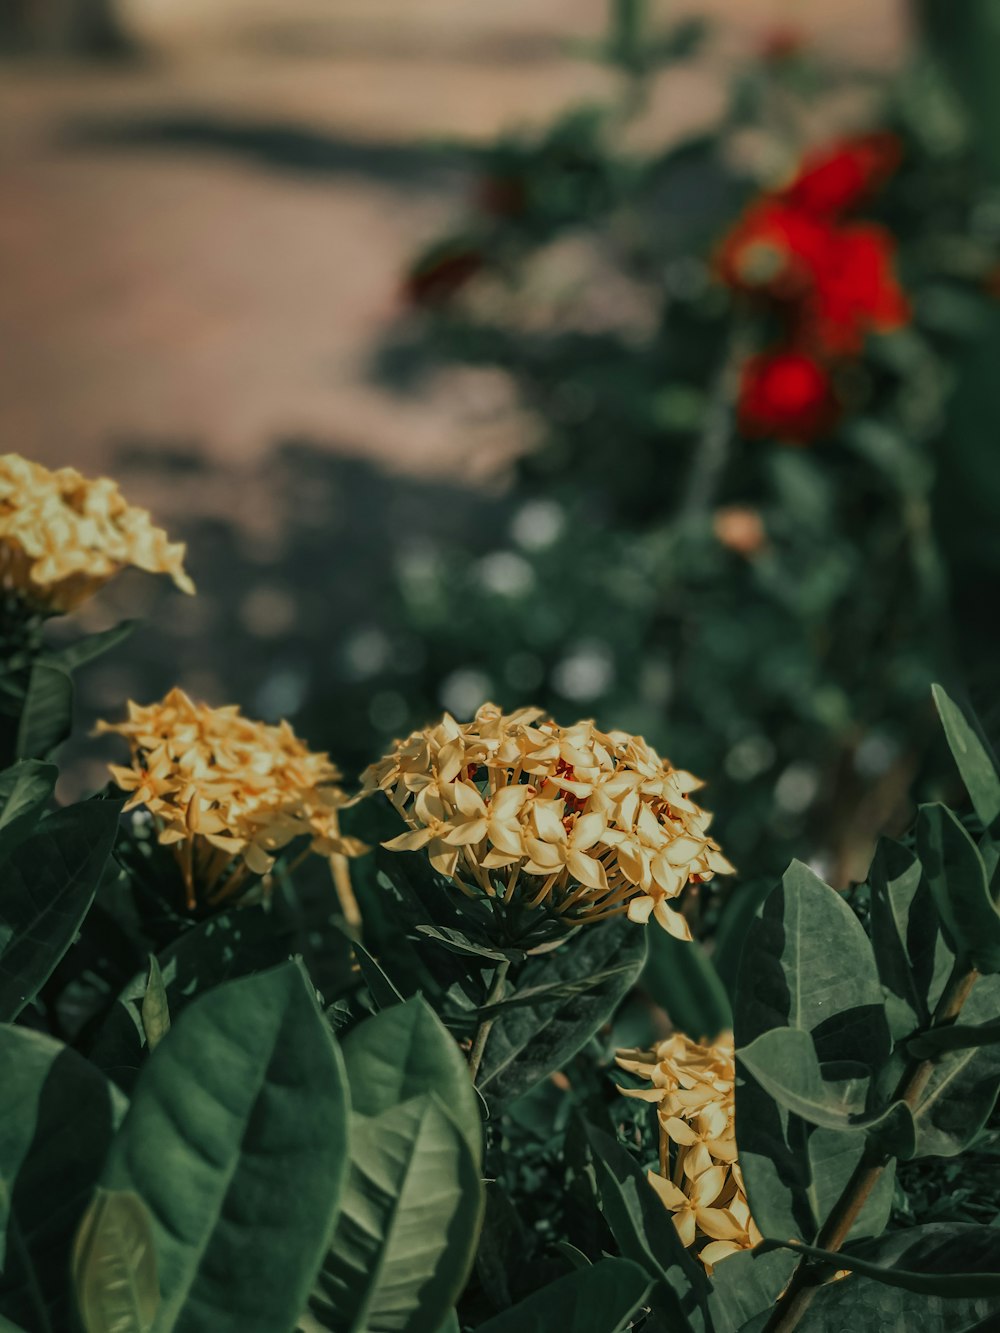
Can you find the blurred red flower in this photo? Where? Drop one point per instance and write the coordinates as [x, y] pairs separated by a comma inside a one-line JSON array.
[[855, 291], [781, 43], [786, 394], [842, 175], [440, 276], [774, 250]]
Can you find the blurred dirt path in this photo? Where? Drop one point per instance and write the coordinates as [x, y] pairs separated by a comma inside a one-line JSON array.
[[201, 249]]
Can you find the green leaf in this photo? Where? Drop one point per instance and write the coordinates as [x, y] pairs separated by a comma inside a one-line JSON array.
[[85, 650], [807, 965], [382, 990], [957, 1037], [745, 1284], [25, 788], [49, 880], [403, 1052], [784, 1063], [933, 1260], [914, 962], [858, 1304], [957, 878], [963, 1087], [155, 1008], [457, 942], [601, 1298], [645, 1234], [408, 1226], [972, 756], [47, 715], [57, 1117], [236, 1141], [533, 996], [220, 949], [526, 1044], [679, 976], [114, 1266]]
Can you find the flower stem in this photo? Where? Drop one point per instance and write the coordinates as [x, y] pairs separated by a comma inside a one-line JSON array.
[[483, 1031], [797, 1297]]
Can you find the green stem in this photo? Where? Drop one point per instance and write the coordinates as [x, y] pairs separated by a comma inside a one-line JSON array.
[[797, 1297], [483, 1031]]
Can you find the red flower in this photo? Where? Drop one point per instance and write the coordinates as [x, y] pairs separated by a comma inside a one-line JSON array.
[[781, 44], [441, 275], [786, 394], [834, 179], [774, 250], [855, 290]]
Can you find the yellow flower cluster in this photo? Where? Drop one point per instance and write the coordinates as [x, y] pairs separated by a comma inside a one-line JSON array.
[[699, 1178], [589, 823], [62, 537], [227, 793]]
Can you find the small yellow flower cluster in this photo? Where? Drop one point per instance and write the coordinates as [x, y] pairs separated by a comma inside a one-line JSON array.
[[592, 824], [227, 793], [62, 537], [699, 1178]]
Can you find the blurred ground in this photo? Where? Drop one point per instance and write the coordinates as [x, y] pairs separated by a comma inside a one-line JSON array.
[[201, 249]]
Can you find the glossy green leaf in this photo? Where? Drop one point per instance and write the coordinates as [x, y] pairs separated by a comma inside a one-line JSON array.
[[913, 960], [957, 879], [645, 1234], [745, 1284], [382, 989], [934, 1260], [784, 1063], [526, 1044], [601, 1298], [403, 1052], [957, 1037], [553, 991], [964, 1084], [25, 788], [236, 1141], [114, 1266], [57, 1117], [858, 1303], [680, 977], [47, 714], [91, 646], [971, 755], [233, 944], [49, 880], [408, 1226], [155, 1007], [457, 942], [807, 965]]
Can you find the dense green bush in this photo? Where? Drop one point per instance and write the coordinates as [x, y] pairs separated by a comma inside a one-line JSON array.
[[238, 1095], [766, 587]]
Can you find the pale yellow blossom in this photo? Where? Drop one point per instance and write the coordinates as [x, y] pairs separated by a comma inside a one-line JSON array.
[[63, 536], [580, 823], [693, 1087], [227, 793]]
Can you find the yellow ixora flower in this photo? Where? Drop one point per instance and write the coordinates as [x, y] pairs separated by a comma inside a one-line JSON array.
[[227, 793], [588, 824], [693, 1087], [63, 536]]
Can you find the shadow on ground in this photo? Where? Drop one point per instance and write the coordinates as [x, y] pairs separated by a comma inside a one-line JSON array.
[[297, 604], [273, 146]]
